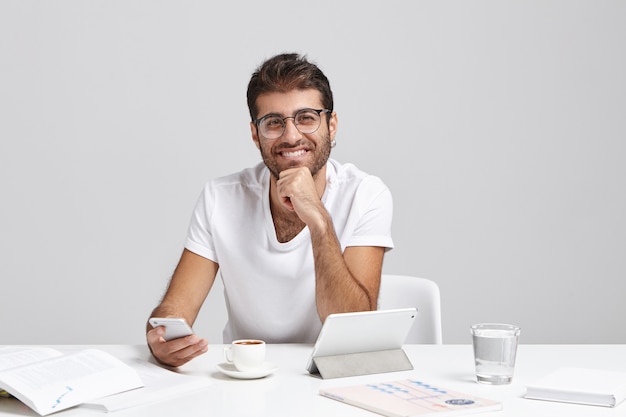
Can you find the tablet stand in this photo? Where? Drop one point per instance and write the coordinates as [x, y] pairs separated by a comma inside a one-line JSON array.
[[363, 363]]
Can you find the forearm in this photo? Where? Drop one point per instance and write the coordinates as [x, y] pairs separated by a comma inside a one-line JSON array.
[[187, 289], [337, 290], [344, 282]]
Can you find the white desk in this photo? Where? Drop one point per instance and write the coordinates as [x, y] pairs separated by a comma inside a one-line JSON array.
[[292, 392]]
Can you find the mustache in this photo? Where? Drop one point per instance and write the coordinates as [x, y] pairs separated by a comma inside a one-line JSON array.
[[284, 145]]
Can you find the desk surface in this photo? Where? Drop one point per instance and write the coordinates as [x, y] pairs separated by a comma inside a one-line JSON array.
[[292, 392]]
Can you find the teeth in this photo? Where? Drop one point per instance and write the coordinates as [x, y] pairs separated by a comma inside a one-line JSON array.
[[292, 154]]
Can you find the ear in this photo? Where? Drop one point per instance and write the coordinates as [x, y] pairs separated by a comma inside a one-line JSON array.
[[332, 125], [255, 135]]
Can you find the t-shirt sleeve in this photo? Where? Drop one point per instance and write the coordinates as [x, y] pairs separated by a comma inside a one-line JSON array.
[[375, 206], [199, 234]]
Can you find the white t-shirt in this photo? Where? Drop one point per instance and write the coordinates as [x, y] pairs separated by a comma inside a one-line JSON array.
[[270, 286]]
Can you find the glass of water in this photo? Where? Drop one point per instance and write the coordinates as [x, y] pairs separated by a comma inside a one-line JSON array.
[[495, 347]]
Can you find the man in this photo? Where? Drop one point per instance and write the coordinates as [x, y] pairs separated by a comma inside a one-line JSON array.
[[295, 238]]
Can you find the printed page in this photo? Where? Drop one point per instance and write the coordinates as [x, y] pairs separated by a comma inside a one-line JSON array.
[[61, 382], [14, 356], [159, 385]]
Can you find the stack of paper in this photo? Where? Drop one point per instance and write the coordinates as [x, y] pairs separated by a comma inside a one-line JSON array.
[[581, 386]]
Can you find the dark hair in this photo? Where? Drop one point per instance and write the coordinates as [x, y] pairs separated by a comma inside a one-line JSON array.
[[286, 72]]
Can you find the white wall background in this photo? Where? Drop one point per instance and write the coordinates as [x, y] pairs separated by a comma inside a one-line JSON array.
[[498, 125]]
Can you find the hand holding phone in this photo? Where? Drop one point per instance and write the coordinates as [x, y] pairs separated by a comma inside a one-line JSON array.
[[174, 327]]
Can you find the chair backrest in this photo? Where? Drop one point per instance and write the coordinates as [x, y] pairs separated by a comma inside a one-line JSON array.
[[400, 291]]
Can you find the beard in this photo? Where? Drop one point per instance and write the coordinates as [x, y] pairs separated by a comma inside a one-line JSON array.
[[321, 154]]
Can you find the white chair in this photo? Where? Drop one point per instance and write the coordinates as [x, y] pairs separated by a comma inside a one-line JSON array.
[[401, 291]]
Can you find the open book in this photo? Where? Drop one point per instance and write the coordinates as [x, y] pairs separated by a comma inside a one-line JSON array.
[[48, 381], [409, 398], [159, 385]]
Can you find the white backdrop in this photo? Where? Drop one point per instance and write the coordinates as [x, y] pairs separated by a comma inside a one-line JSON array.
[[498, 125]]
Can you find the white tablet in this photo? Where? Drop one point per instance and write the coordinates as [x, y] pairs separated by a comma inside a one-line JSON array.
[[365, 331]]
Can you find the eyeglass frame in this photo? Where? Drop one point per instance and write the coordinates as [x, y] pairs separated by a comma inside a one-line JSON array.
[[283, 119]]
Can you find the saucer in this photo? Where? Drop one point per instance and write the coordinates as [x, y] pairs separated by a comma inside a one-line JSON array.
[[229, 369]]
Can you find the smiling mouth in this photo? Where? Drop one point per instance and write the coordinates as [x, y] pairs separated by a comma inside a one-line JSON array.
[[293, 154]]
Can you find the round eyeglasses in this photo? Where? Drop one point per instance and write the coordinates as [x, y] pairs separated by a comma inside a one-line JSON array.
[[306, 121]]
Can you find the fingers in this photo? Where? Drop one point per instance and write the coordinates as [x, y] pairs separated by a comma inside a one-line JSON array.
[[175, 352], [154, 335], [295, 185], [298, 193]]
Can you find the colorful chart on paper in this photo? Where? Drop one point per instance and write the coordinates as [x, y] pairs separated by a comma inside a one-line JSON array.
[[409, 397]]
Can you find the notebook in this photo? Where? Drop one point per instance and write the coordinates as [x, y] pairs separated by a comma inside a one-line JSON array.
[[410, 398], [582, 386], [365, 331]]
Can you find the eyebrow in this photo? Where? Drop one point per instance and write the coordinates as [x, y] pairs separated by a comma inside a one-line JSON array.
[[282, 115], [270, 114]]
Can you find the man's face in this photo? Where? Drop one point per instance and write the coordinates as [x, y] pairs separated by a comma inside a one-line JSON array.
[[293, 148]]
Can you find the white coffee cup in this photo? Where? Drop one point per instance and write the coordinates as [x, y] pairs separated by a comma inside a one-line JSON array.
[[246, 354]]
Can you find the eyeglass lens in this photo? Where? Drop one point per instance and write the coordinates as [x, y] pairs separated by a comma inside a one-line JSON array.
[[306, 121]]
